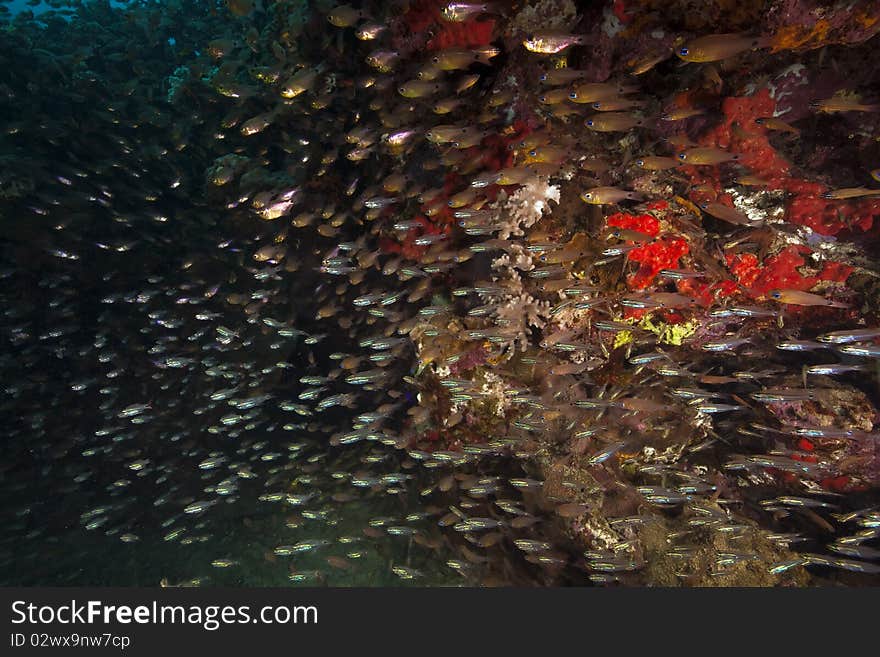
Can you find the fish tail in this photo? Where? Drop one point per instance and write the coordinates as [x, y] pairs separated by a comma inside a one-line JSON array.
[[764, 41], [485, 54]]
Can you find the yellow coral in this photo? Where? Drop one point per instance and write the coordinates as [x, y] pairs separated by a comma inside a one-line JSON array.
[[672, 334], [622, 338], [676, 334]]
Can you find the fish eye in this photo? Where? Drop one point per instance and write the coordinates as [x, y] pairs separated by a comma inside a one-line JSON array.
[[682, 156], [543, 77], [542, 99], [588, 195], [760, 120], [435, 60], [590, 123], [703, 206], [683, 52], [640, 163], [776, 294], [533, 153], [596, 105], [573, 95], [401, 89]]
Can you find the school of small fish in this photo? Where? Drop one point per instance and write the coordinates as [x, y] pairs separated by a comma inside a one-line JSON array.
[[558, 317]]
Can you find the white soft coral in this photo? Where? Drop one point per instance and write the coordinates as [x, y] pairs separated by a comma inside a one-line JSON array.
[[525, 207], [517, 312], [520, 313], [516, 258]]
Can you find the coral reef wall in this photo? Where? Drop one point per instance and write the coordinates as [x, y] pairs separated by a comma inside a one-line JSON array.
[[600, 278]]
